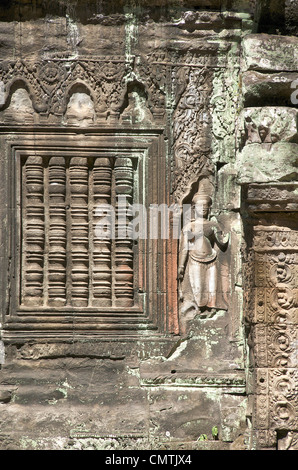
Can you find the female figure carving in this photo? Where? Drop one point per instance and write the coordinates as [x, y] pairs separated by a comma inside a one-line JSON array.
[[203, 274]]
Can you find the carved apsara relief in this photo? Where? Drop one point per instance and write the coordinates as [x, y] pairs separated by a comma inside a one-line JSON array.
[[204, 284], [203, 270]]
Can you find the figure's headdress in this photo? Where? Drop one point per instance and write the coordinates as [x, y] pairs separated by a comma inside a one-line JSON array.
[[202, 196]]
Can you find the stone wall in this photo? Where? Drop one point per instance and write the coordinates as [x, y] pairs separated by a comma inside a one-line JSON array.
[[156, 341]]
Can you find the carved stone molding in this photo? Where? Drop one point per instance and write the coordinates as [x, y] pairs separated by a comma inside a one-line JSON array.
[[51, 82]]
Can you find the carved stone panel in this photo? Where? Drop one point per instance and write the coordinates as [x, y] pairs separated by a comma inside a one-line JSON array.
[[271, 309], [114, 117], [80, 266]]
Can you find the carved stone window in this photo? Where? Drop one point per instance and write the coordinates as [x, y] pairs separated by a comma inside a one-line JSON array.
[[64, 263], [77, 266]]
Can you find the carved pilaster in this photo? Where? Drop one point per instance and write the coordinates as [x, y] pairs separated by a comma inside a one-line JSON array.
[[272, 310], [78, 173], [33, 228]]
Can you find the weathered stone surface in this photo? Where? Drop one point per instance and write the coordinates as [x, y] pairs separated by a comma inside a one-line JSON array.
[[257, 164], [270, 124], [174, 340], [264, 89], [270, 53], [291, 14], [188, 417]]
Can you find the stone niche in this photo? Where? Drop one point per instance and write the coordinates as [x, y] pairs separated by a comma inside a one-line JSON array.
[[148, 225]]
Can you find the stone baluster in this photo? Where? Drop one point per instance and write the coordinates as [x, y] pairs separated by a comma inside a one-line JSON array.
[[78, 173], [57, 232], [102, 257], [124, 279], [34, 233]]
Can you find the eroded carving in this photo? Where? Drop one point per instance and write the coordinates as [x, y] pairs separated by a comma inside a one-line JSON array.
[[268, 125], [137, 110], [19, 109], [80, 110]]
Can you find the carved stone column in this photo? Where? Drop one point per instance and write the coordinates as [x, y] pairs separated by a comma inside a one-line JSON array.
[[271, 310], [267, 166]]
